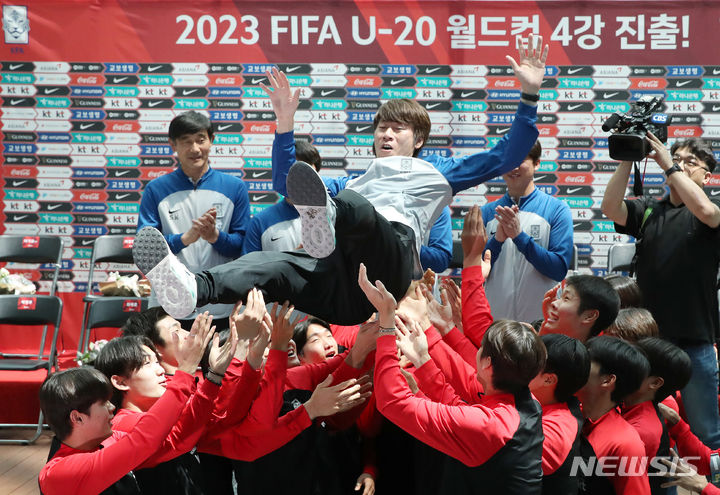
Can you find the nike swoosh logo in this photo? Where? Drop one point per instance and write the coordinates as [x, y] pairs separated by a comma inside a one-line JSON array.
[[153, 68], [326, 92], [173, 211], [573, 190], [540, 177], [86, 242], [154, 103], [465, 95], [273, 239], [464, 212], [714, 192], [395, 82], [51, 91], [716, 108], [716, 72], [85, 126], [120, 174], [680, 84], [503, 131], [53, 207], [18, 182], [15, 66], [430, 70], [260, 197], [292, 69], [188, 91], [19, 217], [255, 175], [430, 106], [256, 80], [122, 196], [573, 107], [610, 95], [362, 128], [118, 79], [224, 126], [16, 102], [575, 70]]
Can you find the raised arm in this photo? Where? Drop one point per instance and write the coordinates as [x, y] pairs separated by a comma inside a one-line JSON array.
[[613, 205]]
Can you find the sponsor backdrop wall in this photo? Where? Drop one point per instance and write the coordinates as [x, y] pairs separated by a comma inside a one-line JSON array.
[[88, 89]]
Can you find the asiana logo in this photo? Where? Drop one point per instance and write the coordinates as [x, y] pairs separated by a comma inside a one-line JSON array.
[[16, 24]]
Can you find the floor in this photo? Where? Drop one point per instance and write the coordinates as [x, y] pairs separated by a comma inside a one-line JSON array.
[[20, 464]]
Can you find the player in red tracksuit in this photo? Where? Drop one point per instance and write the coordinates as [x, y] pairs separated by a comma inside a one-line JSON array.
[[610, 445], [497, 443], [91, 457], [670, 370]]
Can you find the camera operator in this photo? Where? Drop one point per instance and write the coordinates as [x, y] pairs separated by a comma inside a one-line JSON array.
[[676, 261]]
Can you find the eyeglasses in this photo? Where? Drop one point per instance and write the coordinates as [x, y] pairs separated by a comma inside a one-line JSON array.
[[690, 161]]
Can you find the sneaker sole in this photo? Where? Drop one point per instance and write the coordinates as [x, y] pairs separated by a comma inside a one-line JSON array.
[[307, 192], [152, 256]]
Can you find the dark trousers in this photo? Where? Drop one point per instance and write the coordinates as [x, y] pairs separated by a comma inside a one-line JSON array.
[[326, 288]]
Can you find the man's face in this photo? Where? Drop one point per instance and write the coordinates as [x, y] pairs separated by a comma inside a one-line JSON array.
[[692, 165], [563, 317], [167, 327], [147, 384], [522, 175], [292, 360], [193, 151], [99, 420], [320, 345], [395, 139]]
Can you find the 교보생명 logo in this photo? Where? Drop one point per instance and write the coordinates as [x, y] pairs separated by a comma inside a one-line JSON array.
[[16, 24]]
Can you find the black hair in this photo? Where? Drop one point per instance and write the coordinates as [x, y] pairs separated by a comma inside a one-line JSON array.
[[596, 293], [627, 288], [535, 151], [190, 122], [75, 389], [569, 359], [122, 356], [306, 152], [144, 324], [408, 112], [516, 354], [669, 362], [699, 148], [622, 359], [301, 329]]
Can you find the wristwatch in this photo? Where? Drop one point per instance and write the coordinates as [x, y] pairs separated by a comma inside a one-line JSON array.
[[672, 170]]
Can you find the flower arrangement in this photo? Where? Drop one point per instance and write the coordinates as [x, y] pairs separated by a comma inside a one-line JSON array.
[[88, 357]]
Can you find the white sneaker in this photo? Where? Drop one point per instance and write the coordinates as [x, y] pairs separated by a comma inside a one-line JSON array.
[[308, 194], [174, 285]]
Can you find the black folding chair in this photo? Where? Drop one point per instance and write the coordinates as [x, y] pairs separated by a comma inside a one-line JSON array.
[[27, 311], [106, 249], [33, 249]]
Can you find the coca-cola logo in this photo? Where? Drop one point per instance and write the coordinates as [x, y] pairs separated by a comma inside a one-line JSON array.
[[230, 81], [649, 84], [576, 179], [684, 132], [87, 80], [121, 127], [157, 173], [367, 81], [20, 172], [505, 83], [260, 128]]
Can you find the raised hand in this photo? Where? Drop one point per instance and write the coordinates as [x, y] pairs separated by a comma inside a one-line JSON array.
[[206, 227], [411, 341], [686, 476], [439, 312], [328, 399], [659, 152], [247, 323], [473, 237], [220, 357], [282, 326], [530, 67], [379, 297], [256, 352], [191, 348], [364, 344], [454, 297], [508, 217], [367, 483], [284, 100]]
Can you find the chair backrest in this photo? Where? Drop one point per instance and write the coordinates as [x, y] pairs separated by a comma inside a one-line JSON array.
[[620, 257], [33, 310], [114, 312], [109, 248], [33, 249]]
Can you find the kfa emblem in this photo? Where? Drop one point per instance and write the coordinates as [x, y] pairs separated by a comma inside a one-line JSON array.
[[535, 231], [16, 24]]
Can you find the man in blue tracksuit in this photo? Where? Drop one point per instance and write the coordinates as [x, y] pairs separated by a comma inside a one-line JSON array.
[[531, 240]]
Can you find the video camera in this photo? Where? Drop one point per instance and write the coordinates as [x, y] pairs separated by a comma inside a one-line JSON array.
[[628, 142]]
